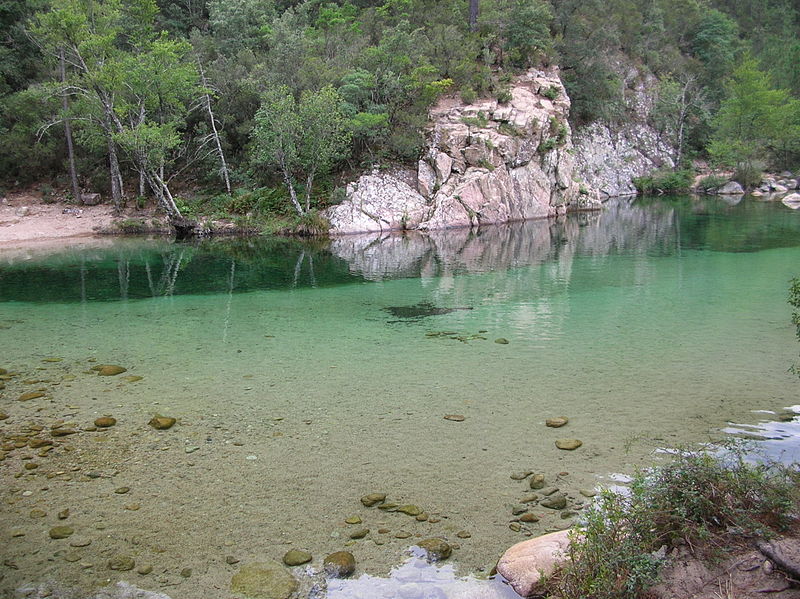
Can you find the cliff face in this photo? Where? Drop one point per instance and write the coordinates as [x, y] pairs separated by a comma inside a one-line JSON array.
[[609, 156], [484, 163]]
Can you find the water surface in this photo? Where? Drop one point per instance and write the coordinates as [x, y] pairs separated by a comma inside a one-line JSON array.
[[307, 375]]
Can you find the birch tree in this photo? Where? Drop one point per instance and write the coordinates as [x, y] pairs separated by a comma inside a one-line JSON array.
[[302, 140]]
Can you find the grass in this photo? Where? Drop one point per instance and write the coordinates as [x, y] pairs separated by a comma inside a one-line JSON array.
[[709, 503]]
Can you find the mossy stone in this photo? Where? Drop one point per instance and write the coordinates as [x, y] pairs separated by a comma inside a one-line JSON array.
[[410, 510], [263, 580], [121, 563], [501, 341], [30, 395], [3, 416], [340, 564], [61, 532], [105, 421], [295, 557]]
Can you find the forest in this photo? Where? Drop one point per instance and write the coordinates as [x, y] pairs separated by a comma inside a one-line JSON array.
[[266, 107]]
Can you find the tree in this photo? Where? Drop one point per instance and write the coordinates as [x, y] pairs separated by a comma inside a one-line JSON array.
[[754, 119], [679, 102], [301, 139], [474, 7], [132, 85]]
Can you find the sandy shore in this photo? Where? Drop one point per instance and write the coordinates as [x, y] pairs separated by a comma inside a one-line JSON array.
[[25, 219]]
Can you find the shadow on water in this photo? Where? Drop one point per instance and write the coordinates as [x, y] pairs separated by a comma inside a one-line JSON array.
[[138, 269]]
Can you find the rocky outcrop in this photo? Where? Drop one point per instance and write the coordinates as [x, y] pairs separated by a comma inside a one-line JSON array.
[[610, 156], [485, 163]]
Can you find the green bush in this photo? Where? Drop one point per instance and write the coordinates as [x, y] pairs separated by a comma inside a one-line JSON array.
[[711, 182], [551, 93], [468, 95], [665, 181], [504, 95], [712, 503], [748, 175]]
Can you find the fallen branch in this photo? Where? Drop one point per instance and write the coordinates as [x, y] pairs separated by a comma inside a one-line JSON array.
[[774, 554]]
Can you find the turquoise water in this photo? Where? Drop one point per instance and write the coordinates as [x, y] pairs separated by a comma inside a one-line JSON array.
[[307, 375]]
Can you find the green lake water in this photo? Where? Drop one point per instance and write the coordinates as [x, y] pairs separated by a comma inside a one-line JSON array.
[[305, 375]]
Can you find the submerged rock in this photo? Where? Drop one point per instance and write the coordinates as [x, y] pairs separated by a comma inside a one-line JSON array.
[[372, 499], [60, 532], [526, 563], [454, 417], [340, 564], [435, 549], [537, 482], [556, 501], [556, 422], [568, 444], [121, 563], [162, 423], [109, 369], [295, 557], [30, 395], [263, 580], [105, 421], [420, 310], [411, 510]]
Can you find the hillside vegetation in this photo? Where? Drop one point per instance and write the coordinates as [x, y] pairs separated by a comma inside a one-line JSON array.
[[264, 104]]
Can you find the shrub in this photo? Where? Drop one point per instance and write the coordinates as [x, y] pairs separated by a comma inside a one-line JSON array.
[[468, 95], [748, 175], [551, 93], [710, 502], [711, 182], [504, 95], [665, 181], [480, 120], [547, 145]]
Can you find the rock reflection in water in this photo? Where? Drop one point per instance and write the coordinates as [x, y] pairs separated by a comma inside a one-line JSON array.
[[417, 579]]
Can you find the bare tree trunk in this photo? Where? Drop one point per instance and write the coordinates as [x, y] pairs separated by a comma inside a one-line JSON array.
[[73, 172], [473, 15], [287, 179], [161, 191], [116, 175], [224, 167], [309, 185]]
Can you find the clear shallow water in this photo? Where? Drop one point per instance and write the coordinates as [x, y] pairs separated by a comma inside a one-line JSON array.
[[298, 389]]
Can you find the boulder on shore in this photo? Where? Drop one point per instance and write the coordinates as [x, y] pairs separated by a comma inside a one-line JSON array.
[[730, 188], [526, 563]]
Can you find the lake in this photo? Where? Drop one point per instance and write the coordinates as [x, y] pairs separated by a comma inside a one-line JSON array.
[[305, 375]]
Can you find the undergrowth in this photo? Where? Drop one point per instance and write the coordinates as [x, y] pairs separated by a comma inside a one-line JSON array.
[[709, 503]]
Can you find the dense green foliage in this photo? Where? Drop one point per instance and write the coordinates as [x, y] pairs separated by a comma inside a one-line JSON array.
[[709, 503], [187, 80]]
